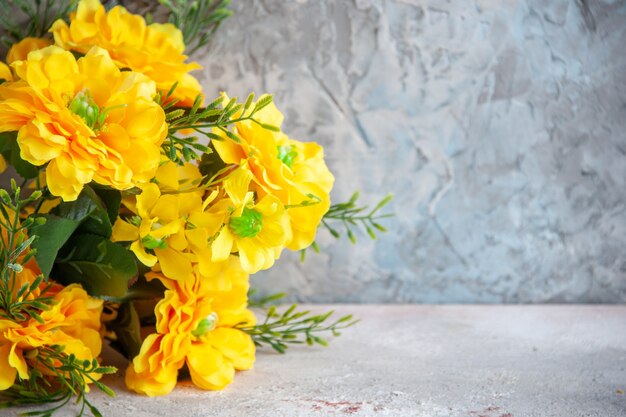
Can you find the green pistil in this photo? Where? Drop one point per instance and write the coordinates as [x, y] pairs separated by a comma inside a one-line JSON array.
[[248, 225], [287, 154], [206, 325], [150, 242], [84, 106]]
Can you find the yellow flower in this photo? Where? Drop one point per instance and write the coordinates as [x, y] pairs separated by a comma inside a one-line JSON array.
[[86, 119], [5, 72], [257, 231], [195, 326], [20, 50], [155, 50], [157, 229], [73, 322], [173, 177], [293, 171]]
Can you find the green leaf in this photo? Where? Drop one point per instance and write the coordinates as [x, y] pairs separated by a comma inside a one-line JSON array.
[[90, 211], [211, 163], [7, 140], [52, 236], [112, 200], [103, 268], [11, 152], [127, 329]]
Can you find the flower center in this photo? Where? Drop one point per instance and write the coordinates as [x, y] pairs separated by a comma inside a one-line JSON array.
[[249, 224], [84, 106], [206, 325], [150, 242], [287, 154]]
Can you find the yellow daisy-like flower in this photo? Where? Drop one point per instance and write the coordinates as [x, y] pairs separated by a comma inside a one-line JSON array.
[[73, 321], [293, 171], [155, 50], [86, 119], [20, 50], [157, 229], [257, 231], [195, 326]]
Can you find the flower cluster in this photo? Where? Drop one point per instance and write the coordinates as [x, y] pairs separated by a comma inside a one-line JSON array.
[[99, 122]]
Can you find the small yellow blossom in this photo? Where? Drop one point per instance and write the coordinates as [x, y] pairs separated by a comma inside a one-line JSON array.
[[157, 229], [291, 170], [257, 231], [86, 119], [20, 50], [155, 50], [195, 326]]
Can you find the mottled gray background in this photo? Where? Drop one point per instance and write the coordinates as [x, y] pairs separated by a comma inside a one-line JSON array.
[[499, 126]]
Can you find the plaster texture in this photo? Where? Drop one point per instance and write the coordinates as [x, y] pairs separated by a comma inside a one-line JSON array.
[[498, 126], [426, 361]]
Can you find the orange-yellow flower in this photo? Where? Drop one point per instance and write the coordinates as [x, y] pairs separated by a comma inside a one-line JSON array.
[[86, 119], [73, 321], [155, 50], [195, 326], [293, 171], [20, 50]]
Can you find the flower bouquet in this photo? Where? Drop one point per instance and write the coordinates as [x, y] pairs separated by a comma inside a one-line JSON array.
[[135, 201]]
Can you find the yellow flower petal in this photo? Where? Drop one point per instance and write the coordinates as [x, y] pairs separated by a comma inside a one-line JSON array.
[[174, 264], [236, 345], [141, 254], [7, 371], [5, 72], [208, 368], [20, 50]]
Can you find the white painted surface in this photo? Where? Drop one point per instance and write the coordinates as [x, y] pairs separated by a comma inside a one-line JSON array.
[[426, 361]]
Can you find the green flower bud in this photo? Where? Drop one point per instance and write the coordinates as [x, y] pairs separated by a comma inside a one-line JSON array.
[[206, 325]]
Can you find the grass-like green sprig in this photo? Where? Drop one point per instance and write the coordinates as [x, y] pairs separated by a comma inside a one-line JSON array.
[[202, 120], [293, 327], [38, 17], [65, 377], [197, 20], [15, 252]]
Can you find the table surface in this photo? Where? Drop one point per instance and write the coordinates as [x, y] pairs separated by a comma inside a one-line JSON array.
[[434, 361]]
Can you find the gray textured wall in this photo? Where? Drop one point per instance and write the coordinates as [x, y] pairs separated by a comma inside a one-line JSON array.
[[499, 125]]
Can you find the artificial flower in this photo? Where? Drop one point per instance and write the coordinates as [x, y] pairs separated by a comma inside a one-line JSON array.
[[257, 230], [155, 50], [86, 119], [196, 326], [20, 50], [293, 171], [156, 229], [72, 321]]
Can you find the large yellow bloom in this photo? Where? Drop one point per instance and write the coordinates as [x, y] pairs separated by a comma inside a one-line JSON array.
[[195, 326], [293, 171], [86, 119], [257, 230], [73, 321], [155, 50]]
